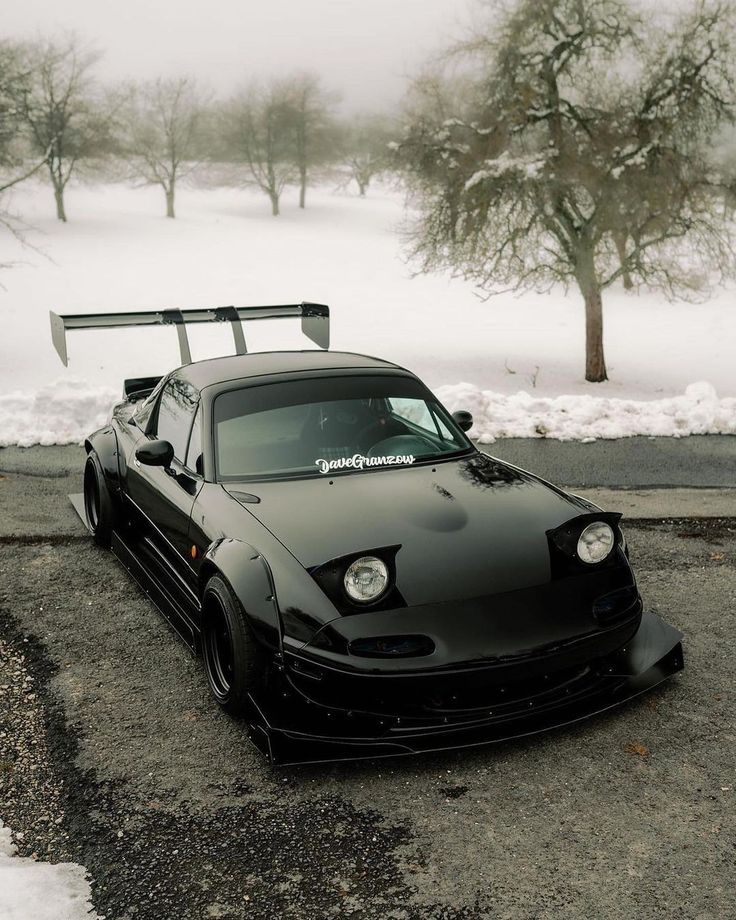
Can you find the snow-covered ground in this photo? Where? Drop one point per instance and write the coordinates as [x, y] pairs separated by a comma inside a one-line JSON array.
[[519, 359], [31, 890]]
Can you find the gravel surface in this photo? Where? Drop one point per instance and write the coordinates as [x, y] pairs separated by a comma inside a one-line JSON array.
[[113, 756]]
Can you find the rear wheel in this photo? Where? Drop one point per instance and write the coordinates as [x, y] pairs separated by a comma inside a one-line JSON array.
[[98, 504], [233, 660]]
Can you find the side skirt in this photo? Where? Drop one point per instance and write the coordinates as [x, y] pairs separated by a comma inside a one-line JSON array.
[[175, 614], [168, 606], [155, 587]]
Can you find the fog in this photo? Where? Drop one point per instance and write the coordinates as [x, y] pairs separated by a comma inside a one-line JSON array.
[[364, 48]]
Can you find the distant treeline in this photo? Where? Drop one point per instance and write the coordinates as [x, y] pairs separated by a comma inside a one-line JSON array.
[[57, 117]]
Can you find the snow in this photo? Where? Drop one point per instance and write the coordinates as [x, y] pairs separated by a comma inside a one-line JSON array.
[[632, 156], [587, 418], [31, 890], [119, 253], [529, 166], [63, 412]]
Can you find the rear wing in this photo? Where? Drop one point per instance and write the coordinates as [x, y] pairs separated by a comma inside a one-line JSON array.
[[315, 319]]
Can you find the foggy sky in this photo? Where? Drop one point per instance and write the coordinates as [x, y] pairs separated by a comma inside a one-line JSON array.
[[365, 48]]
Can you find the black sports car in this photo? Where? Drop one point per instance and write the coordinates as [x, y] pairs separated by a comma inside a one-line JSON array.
[[360, 579]]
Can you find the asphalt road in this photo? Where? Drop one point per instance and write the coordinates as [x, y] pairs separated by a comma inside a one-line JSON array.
[[112, 755], [701, 461]]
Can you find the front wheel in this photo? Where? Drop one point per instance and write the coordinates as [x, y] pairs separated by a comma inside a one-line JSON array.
[[98, 504], [233, 660]]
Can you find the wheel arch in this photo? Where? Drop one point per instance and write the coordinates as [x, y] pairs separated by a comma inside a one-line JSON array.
[[104, 442], [249, 575]]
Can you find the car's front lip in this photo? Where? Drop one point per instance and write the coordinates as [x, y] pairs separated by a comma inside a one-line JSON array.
[[298, 727]]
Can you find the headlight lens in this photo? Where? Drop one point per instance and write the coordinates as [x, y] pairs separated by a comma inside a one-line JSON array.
[[366, 579], [596, 542]]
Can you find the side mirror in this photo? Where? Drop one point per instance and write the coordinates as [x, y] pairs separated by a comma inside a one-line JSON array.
[[464, 419], [155, 453]]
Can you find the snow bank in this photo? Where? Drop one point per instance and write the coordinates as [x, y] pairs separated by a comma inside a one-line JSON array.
[[31, 890], [63, 412], [587, 418]]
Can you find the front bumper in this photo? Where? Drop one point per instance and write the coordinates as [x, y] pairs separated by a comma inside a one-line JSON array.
[[294, 726]]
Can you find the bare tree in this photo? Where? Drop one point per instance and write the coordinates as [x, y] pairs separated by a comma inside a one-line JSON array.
[[258, 131], [13, 80], [15, 164], [314, 133], [578, 156], [65, 121], [12, 75], [366, 145], [162, 138], [724, 164]]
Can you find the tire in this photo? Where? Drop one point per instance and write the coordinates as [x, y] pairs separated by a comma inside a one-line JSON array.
[[233, 660], [98, 505]]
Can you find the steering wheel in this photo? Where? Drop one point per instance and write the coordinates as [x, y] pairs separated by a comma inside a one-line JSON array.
[[402, 444], [369, 434]]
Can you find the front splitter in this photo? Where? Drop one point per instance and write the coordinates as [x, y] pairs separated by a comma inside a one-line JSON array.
[[302, 733]]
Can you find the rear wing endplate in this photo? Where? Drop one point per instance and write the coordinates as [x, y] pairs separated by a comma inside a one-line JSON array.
[[315, 319]]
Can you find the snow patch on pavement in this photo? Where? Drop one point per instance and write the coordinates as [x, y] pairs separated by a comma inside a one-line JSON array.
[[66, 411], [31, 890], [587, 418]]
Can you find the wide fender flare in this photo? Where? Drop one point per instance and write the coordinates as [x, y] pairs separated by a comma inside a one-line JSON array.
[[249, 575], [104, 442]]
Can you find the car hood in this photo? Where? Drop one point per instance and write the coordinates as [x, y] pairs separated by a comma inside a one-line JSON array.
[[465, 528]]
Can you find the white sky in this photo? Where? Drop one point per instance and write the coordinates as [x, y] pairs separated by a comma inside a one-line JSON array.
[[364, 48]]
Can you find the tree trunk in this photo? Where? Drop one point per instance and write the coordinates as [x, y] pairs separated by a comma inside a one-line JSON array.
[[274, 204], [59, 197], [595, 362], [590, 288], [363, 187], [303, 188], [620, 241], [729, 204], [170, 202]]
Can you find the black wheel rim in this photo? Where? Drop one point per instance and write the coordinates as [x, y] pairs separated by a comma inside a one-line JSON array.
[[218, 652], [91, 497]]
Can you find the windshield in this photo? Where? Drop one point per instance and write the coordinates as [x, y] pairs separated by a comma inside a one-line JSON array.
[[312, 427]]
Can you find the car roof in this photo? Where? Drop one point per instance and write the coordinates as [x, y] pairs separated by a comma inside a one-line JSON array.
[[256, 364]]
